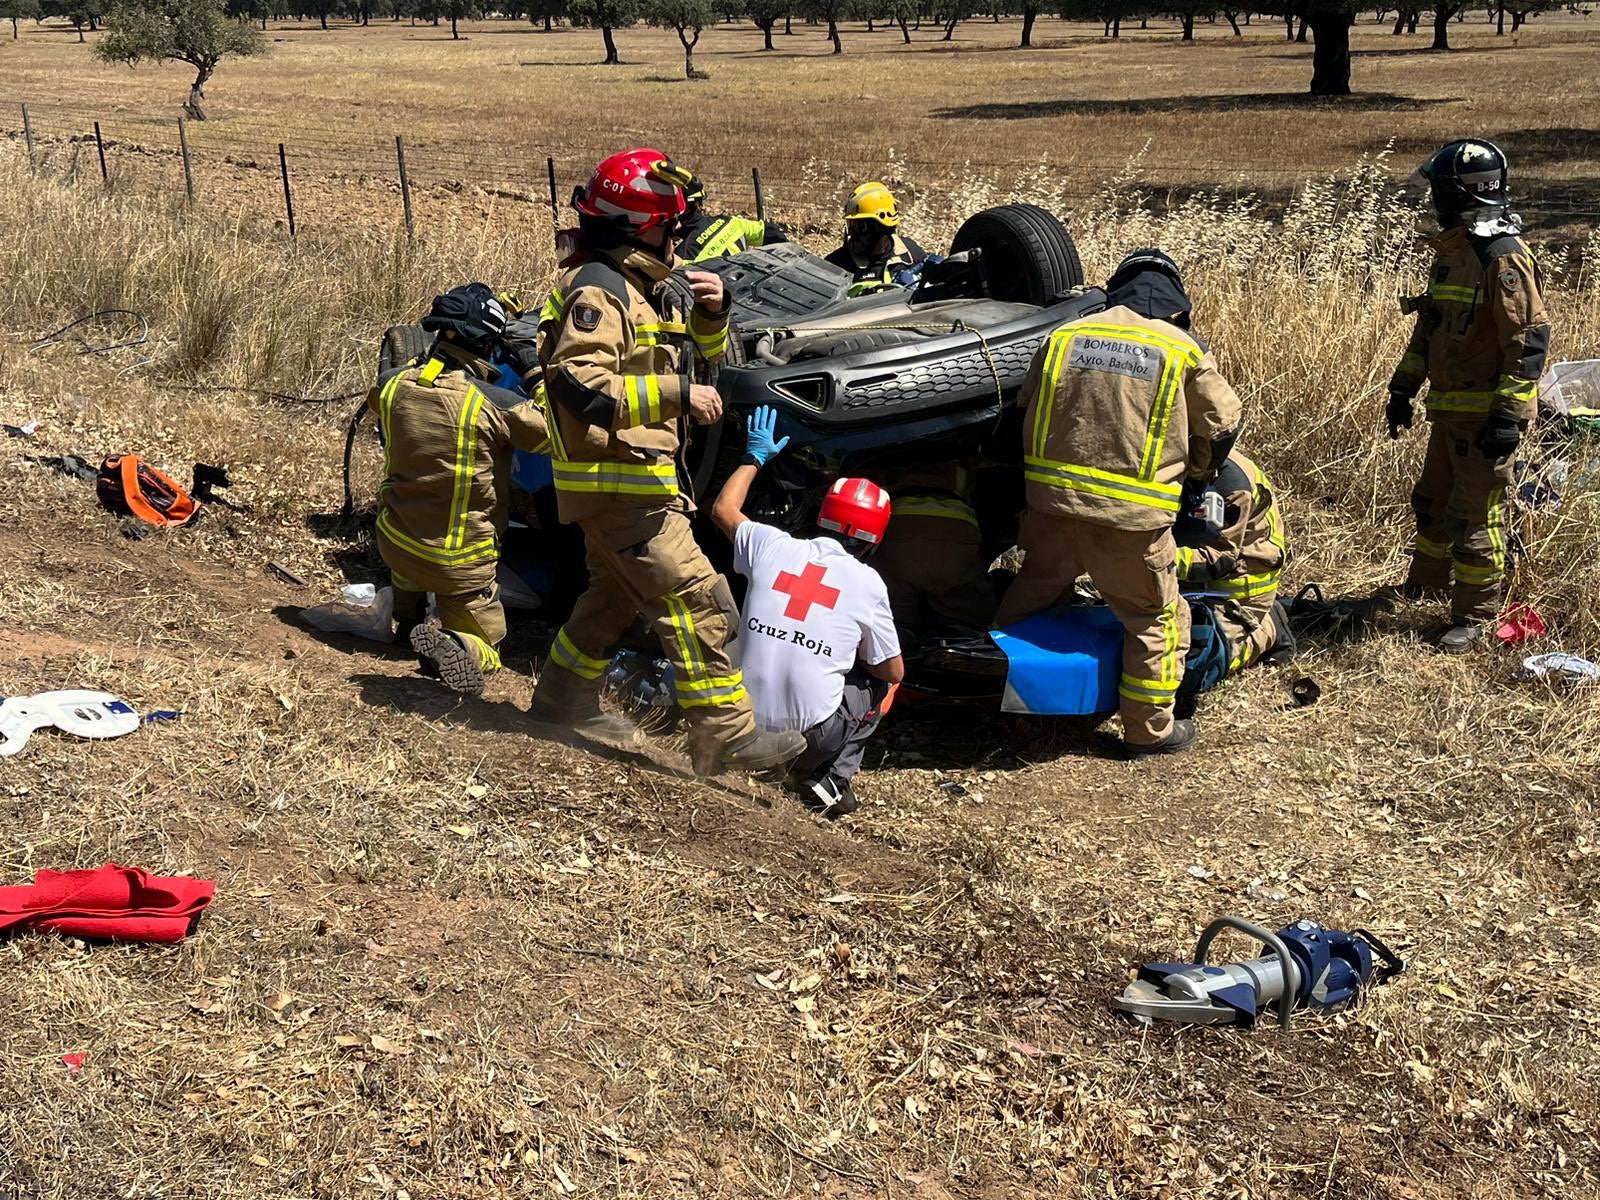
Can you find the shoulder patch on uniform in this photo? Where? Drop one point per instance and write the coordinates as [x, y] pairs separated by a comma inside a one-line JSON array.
[[1510, 280], [586, 317]]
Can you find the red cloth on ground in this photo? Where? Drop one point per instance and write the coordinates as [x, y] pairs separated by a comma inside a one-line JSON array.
[[113, 903]]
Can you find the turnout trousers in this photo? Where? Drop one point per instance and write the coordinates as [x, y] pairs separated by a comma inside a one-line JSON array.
[[1252, 629], [1460, 501], [1135, 570], [468, 599], [647, 561]]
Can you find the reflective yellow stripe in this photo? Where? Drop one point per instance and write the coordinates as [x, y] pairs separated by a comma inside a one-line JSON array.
[[447, 558], [683, 626], [1430, 549], [385, 409], [1497, 538], [710, 690], [617, 478], [431, 370], [564, 652], [1248, 587], [932, 506], [1171, 668], [1476, 576], [1411, 364], [466, 457], [642, 395], [1463, 401], [655, 334], [1453, 292], [554, 308], [1146, 691], [1163, 496], [1514, 387], [711, 345], [1161, 414], [1045, 404], [1185, 561]]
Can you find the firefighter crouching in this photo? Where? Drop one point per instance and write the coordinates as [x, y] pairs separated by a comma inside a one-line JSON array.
[[1120, 407], [932, 558], [1240, 558], [1480, 342], [616, 357], [874, 251], [448, 435]]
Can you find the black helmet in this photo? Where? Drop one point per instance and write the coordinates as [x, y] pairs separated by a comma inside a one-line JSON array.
[[694, 191], [470, 316], [1465, 174], [1149, 282]]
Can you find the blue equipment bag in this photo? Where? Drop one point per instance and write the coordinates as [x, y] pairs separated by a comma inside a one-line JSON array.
[[1067, 662]]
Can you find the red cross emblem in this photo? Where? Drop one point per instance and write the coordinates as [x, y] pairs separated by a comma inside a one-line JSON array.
[[805, 589]]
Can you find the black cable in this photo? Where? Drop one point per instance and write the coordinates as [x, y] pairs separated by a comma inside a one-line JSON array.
[[51, 339]]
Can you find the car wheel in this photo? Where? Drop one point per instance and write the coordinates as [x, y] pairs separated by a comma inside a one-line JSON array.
[[1028, 255], [401, 345]]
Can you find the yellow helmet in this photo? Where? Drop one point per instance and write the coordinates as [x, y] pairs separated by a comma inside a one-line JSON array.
[[872, 202]]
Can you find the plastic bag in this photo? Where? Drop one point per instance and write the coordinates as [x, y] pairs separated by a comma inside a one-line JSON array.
[[363, 611]]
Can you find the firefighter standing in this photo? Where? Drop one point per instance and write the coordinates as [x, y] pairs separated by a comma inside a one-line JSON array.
[[1241, 558], [704, 236], [1479, 342], [448, 435], [932, 558], [874, 251], [616, 356], [1119, 408]]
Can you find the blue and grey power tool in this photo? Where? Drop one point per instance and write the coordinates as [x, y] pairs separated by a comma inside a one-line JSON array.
[[1308, 967]]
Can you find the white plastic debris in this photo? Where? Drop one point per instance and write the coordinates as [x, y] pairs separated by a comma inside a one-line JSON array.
[[1568, 668], [81, 713], [359, 595]]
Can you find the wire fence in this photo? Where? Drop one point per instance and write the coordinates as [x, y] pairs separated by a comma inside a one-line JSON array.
[[253, 163]]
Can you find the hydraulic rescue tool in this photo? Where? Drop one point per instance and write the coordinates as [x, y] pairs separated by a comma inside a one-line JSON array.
[[1308, 967]]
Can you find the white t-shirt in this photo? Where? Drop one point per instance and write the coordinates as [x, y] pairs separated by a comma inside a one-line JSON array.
[[811, 612]]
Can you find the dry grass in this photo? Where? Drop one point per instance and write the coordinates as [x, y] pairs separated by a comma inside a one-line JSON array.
[[452, 960]]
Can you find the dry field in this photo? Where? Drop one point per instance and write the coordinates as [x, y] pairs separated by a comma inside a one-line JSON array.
[[451, 959]]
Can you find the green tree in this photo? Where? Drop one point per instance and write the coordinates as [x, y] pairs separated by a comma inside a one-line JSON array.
[[1329, 22], [765, 14], [82, 13], [829, 11], [607, 16], [545, 13], [198, 32], [686, 18], [17, 10]]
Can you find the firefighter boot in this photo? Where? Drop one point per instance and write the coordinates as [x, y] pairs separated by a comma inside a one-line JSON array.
[[1284, 645], [756, 752], [460, 659], [1181, 738], [573, 702], [1458, 638]]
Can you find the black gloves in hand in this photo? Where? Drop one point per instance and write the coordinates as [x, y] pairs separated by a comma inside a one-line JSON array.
[[524, 359], [1398, 413], [1499, 437]]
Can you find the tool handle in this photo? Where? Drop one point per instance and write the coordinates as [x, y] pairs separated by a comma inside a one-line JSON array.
[[1291, 968], [1393, 964]]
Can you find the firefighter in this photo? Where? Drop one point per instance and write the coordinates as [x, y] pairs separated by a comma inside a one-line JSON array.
[[1479, 342], [616, 352], [1121, 407], [874, 251], [448, 435], [1238, 553], [704, 236], [932, 558]]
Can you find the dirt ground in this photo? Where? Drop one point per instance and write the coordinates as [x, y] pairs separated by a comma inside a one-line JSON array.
[[452, 957]]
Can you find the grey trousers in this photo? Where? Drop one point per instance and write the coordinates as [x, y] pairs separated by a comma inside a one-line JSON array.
[[835, 745]]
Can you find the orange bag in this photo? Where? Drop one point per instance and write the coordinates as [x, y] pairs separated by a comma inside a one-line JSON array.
[[131, 487]]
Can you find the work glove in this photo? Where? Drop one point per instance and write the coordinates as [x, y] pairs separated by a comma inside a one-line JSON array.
[[1399, 413], [524, 360], [1499, 437], [759, 443]]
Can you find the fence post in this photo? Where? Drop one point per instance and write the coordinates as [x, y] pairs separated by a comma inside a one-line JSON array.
[[288, 197], [405, 185], [555, 205], [27, 136], [761, 200], [188, 170], [100, 147]]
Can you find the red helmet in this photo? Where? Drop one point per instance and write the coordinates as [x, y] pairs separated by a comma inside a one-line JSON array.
[[638, 188], [856, 508]]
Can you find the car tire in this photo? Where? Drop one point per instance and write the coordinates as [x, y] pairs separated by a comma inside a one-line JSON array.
[[1028, 255], [401, 345]]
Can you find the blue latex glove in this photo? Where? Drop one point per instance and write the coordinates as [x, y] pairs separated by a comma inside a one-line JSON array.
[[759, 443]]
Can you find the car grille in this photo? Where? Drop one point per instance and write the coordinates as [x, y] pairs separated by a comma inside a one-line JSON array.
[[952, 378]]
